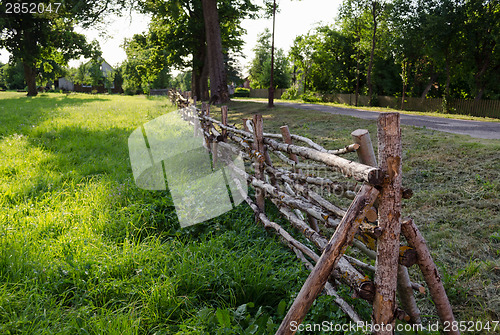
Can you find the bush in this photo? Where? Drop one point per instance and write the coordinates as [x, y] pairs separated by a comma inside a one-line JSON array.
[[242, 92], [311, 97], [290, 94]]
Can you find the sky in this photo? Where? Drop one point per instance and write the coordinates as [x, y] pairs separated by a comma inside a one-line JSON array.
[[295, 18]]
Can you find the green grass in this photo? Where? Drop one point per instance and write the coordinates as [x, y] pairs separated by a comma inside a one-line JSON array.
[[456, 184], [84, 251], [384, 110]]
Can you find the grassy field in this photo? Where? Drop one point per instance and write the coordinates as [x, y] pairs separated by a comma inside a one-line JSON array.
[[84, 251]]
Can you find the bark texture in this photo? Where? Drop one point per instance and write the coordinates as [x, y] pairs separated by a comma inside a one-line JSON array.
[[430, 272], [384, 305], [30, 77], [218, 82]]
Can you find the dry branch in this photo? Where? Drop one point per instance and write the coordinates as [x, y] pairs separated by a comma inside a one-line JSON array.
[[331, 291], [406, 297], [352, 169], [430, 272], [331, 255]]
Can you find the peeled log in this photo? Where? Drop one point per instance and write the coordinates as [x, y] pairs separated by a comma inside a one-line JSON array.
[[358, 171], [389, 211]]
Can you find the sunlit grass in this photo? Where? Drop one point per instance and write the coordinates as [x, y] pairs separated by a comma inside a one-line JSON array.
[[83, 250]]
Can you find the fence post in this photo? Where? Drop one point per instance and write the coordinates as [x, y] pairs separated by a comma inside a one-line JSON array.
[[258, 137], [386, 276], [223, 111], [365, 151], [366, 155]]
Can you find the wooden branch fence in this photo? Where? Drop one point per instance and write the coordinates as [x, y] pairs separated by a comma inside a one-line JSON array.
[[372, 223]]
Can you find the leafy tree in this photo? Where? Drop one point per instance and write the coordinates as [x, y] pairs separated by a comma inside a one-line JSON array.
[[40, 39], [260, 70], [12, 76], [178, 30], [183, 81], [144, 68]]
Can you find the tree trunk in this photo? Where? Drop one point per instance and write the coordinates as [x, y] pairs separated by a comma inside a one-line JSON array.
[[357, 79], [429, 85], [30, 78], [389, 211], [372, 53], [218, 82]]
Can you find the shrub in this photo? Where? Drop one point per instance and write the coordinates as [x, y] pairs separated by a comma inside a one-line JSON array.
[[290, 94], [242, 92], [311, 97]]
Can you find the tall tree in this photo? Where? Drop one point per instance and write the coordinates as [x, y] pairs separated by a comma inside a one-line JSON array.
[[178, 29], [260, 70], [218, 81]]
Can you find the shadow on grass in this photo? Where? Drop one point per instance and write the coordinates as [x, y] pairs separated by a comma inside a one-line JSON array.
[[18, 113]]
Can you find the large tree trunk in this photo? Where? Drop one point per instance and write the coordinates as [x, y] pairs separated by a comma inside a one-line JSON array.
[[218, 83], [199, 77], [30, 78]]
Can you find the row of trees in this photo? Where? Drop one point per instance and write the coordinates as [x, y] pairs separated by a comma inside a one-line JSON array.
[[204, 31], [43, 39], [431, 48]]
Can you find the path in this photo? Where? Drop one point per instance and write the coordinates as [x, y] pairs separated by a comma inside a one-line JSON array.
[[477, 129]]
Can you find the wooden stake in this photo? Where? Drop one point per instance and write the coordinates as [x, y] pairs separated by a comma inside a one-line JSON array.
[[319, 275], [430, 272], [365, 151], [406, 296], [285, 132], [223, 111], [258, 130], [386, 276]]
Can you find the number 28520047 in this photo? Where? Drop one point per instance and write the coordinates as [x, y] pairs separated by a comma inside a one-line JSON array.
[[31, 8]]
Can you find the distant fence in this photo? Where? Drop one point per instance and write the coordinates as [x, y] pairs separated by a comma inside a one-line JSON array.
[[158, 91], [263, 93], [484, 108], [97, 89]]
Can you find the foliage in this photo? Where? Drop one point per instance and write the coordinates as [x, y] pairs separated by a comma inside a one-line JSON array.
[[45, 41], [242, 92], [438, 48], [12, 76], [177, 33], [311, 97], [182, 81], [290, 94], [260, 70]]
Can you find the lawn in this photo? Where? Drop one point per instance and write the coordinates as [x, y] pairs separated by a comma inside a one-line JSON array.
[[84, 251]]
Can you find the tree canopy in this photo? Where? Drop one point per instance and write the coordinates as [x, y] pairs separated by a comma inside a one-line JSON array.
[[435, 48], [42, 37], [178, 34], [260, 70]]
